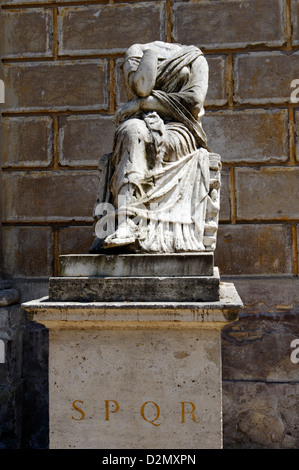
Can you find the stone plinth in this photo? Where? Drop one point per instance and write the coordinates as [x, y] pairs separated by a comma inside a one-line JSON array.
[[135, 374], [134, 265], [162, 278], [110, 289]]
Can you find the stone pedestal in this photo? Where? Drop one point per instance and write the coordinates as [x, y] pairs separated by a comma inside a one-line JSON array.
[[131, 364]]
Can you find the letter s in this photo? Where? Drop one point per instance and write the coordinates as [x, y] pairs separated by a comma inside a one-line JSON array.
[[78, 409]]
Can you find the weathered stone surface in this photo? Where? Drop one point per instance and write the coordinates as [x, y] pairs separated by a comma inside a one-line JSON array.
[[169, 315], [5, 284], [11, 324], [254, 249], [217, 93], [46, 2], [297, 134], [96, 139], [131, 386], [120, 90], [269, 295], [259, 193], [27, 141], [27, 33], [11, 317], [24, 412], [12, 320], [78, 85], [295, 21], [223, 25], [255, 77], [18, 260], [245, 342], [75, 239], [20, 2], [267, 141], [225, 203], [31, 288], [10, 416], [35, 410], [260, 415], [9, 297], [91, 30], [139, 289], [49, 195], [137, 265]]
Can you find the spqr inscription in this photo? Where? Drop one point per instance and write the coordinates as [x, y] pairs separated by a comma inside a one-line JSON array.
[[150, 411]]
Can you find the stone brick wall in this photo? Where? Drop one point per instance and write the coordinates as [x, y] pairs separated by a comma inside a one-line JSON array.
[[61, 68]]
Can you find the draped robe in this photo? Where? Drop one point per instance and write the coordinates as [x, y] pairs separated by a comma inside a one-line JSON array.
[[166, 160]]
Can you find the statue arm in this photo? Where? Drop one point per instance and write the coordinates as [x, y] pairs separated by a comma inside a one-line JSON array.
[[149, 103], [143, 79]]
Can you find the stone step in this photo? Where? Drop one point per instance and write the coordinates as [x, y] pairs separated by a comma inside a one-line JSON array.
[[136, 265], [135, 289]]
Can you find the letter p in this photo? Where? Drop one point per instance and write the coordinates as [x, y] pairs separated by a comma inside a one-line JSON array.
[[108, 410]]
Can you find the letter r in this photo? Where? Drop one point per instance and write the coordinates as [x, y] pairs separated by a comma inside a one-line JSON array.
[[183, 403]]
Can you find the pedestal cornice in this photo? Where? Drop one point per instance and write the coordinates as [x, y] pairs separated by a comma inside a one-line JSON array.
[[159, 315]]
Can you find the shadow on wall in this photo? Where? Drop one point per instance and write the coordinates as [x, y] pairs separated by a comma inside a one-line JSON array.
[[35, 415]]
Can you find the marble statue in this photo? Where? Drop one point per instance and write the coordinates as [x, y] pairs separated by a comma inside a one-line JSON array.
[[159, 188]]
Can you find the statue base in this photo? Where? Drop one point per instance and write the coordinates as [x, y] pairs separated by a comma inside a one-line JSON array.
[[135, 374], [136, 278]]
